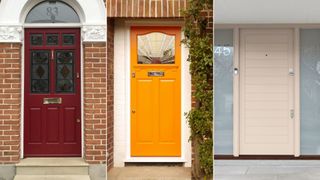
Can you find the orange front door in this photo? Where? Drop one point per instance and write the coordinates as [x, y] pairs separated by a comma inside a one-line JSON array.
[[155, 92]]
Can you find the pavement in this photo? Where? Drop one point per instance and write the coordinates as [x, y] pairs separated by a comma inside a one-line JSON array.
[[267, 170], [150, 173]]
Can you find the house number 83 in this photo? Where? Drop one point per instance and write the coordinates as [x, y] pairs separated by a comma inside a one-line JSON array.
[[52, 11]]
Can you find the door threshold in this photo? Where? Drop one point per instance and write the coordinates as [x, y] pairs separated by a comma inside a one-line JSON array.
[[52, 161], [267, 157], [155, 159]]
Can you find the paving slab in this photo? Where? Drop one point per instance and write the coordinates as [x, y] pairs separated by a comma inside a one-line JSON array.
[[267, 170]]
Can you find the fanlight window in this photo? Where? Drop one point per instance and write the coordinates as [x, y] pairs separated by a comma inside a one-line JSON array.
[[156, 48], [52, 12]]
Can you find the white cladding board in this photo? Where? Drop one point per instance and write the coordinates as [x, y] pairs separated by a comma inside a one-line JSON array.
[[266, 92], [266, 11]]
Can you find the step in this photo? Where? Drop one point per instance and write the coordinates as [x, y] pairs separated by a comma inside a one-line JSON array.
[[52, 177], [52, 166], [150, 173]]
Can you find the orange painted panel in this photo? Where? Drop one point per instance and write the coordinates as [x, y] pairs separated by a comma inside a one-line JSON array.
[[156, 92]]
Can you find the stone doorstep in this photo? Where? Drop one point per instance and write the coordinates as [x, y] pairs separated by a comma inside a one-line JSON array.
[[150, 173], [49, 162], [52, 177], [52, 168]]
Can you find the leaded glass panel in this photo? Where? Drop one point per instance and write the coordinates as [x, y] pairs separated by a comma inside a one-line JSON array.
[[52, 39], [40, 71], [64, 71], [68, 39], [36, 39]]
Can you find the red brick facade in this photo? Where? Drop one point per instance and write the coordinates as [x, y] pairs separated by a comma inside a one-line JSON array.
[[95, 103], [145, 8], [110, 92], [10, 102]]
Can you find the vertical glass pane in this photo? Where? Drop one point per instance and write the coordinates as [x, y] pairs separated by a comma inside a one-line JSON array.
[[52, 39], [310, 91], [156, 48], [36, 39], [68, 39], [65, 71], [39, 71], [223, 71]]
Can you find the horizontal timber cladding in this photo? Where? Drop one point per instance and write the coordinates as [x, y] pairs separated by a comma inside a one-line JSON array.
[[145, 8]]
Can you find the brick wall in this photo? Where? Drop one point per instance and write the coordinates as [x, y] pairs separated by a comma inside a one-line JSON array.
[[110, 92], [10, 96], [145, 8], [95, 102]]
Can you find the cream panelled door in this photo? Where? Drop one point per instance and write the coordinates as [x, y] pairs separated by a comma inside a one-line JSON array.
[[266, 92]]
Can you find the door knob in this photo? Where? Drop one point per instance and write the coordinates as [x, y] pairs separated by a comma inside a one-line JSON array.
[[78, 120], [133, 111]]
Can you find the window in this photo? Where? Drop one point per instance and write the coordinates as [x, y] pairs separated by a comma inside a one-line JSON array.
[[156, 48], [40, 71], [310, 91], [52, 12], [223, 54]]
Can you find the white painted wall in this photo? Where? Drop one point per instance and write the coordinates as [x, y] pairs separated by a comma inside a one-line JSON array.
[[122, 99], [267, 11]]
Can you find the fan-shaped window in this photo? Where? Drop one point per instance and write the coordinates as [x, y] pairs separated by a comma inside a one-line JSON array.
[[156, 48], [52, 12]]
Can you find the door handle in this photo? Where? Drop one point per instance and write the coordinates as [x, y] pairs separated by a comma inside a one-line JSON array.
[[133, 111], [78, 120]]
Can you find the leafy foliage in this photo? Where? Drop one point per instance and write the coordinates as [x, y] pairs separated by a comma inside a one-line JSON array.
[[199, 41]]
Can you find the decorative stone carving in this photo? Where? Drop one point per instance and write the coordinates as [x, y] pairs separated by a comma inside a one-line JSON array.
[[94, 33], [10, 33]]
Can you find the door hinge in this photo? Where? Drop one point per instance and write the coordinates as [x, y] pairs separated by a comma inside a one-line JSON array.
[[291, 113]]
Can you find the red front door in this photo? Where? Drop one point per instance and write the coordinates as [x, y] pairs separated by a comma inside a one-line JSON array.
[[52, 110]]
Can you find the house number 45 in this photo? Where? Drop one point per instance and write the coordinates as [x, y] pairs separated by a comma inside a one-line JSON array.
[[225, 51]]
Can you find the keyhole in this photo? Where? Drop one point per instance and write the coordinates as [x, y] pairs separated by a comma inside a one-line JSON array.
[[266, 54]]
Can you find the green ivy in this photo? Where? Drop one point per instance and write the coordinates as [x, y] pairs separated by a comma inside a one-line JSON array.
[[200, 118]]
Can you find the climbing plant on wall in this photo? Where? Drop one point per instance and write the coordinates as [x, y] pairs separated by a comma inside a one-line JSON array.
[[199, 40]]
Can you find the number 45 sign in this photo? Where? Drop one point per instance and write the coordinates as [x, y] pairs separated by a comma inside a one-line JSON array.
[[225, 51]]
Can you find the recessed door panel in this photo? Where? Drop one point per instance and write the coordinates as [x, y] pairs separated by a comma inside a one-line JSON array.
[[70, 130], [35, 130], [146, 111], [52, 122], [266, 92], [155, 92], [52, 93]]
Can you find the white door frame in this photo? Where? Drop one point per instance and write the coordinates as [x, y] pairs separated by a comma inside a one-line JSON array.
[[122, 96], [236, 79], [23, 81]]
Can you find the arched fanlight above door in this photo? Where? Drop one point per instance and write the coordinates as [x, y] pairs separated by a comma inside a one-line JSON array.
[[52, 11]]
